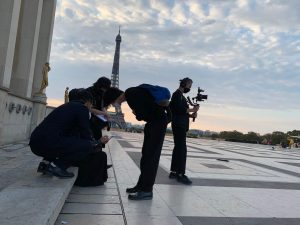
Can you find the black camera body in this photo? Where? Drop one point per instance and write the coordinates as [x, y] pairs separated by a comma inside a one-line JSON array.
[[198, 98]]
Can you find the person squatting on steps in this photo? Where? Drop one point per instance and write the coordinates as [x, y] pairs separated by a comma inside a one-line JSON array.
[[64, 139]]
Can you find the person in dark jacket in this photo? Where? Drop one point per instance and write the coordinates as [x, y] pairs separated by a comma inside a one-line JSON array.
[[97, 90], [180, 125], [64, 138], [145, 108]]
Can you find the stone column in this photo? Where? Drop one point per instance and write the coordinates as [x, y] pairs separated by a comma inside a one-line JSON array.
[[9, 18], [26, 47], [44, 43], [43, 54]]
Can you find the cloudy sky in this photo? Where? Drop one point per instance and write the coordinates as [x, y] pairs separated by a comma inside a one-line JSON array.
[[245, 54]]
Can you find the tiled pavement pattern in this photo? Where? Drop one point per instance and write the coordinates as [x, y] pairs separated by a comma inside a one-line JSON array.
[[255, 186]]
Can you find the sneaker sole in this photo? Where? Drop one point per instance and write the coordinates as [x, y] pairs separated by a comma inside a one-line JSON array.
[[139, 199]]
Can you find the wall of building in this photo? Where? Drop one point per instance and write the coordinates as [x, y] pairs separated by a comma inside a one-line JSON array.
[[25, 42], [16, 119]]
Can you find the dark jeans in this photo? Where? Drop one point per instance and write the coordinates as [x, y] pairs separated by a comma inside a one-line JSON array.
[[179, 152], [154, 134]]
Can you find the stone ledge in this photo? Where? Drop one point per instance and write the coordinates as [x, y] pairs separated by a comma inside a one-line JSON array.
[[34, 200]]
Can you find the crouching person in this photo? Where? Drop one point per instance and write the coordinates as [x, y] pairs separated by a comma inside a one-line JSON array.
[[64, 139]]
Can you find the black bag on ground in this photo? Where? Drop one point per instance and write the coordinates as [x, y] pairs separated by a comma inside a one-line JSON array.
[[92, 171]]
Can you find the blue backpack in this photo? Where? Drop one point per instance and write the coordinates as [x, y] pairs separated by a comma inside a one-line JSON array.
[[160, 94]]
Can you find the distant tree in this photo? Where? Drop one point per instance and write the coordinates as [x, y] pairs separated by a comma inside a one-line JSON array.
[[294, 133], [252, 137], [215, 136], [232, 135], [278, 137]]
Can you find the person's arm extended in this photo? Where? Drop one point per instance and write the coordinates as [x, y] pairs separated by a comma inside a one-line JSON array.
[[98, 112]]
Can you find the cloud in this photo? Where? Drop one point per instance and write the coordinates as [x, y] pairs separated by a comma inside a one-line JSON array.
[[243, 53]]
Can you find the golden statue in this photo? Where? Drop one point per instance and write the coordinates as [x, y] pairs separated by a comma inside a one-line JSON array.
[[46, 69], [67, 95]]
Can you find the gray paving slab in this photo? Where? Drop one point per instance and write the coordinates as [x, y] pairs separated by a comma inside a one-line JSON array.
[[238, 221], [77, 198], [94, 191], [89, 219], [88, 208]]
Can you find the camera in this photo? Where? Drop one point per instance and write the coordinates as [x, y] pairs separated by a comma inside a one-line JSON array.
[[198, 98]]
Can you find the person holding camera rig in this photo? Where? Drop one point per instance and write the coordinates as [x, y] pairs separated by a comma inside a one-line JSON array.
[[180, 125]]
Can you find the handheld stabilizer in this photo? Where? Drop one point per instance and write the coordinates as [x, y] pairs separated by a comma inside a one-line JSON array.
[[198, 98]]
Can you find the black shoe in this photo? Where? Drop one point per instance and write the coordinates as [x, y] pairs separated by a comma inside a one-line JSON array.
[[42, 168], [132, 190], [108, 166], [58, 172], [173, 175], [181, 178], [141, 195]]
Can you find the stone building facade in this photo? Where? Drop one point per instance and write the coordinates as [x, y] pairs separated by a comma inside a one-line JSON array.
[[26, 28]]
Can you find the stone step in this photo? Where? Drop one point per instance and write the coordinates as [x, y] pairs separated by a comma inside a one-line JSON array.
[[30, 199]]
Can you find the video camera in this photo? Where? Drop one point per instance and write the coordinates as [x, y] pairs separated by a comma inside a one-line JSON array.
[[198, 98]]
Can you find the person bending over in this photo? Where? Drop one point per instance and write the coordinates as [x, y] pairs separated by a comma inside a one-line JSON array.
[[153, 111]]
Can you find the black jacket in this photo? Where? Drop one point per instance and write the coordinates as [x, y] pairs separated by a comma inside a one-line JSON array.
[[179, 106], [68, 120], [142, 103], [98, 97]]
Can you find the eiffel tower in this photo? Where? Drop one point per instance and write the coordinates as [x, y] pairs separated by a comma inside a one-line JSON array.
[[117, 118]]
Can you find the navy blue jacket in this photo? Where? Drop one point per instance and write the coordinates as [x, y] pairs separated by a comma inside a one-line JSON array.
[[70, 120]]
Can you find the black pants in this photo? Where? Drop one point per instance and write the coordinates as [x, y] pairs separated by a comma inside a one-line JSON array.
[[179, 152], [63, 151], [154, 134]]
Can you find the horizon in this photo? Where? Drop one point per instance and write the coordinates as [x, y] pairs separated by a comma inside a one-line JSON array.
[[245, 59]]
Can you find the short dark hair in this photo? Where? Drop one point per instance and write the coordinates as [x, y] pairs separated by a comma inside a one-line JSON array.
[[103, 82], [85, 96], [80, 94], [111, 95], [185, 81], [73, 94]]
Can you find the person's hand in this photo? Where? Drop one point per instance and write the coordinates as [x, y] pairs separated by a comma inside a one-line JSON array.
[[104, 139], [195, 108], [194, 115], [133, 112]]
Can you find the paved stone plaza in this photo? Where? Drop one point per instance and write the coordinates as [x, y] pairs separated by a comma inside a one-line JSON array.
[[257, 185]]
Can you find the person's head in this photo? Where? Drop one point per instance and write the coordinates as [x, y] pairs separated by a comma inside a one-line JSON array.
[[113, 96], [73, 94], [86, 97], [185, 85], [103, 83]]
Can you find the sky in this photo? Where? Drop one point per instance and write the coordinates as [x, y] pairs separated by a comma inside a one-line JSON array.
[[245, 54]]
